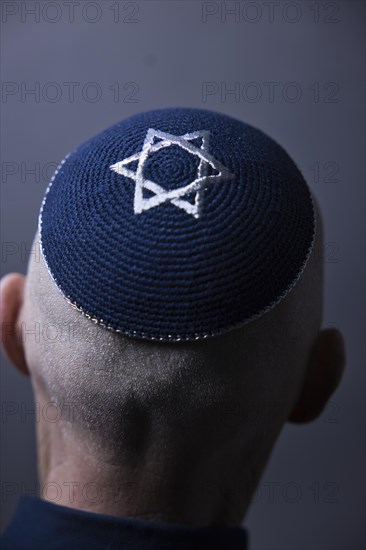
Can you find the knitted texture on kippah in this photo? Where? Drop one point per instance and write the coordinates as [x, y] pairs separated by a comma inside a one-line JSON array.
[[176, 224]]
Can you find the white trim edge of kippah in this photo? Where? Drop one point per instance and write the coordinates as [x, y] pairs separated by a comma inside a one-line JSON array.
[[172, 337]]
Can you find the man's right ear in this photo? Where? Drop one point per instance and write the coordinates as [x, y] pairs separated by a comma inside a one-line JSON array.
[[11, 301], [324, 372]]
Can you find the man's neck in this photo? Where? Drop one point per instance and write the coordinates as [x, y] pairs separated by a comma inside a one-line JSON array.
[[179, 488]]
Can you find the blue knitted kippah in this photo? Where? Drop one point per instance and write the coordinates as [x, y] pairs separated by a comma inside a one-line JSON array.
[[176, 224]]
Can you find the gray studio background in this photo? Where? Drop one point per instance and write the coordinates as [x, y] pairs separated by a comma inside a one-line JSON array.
[[295, 70]]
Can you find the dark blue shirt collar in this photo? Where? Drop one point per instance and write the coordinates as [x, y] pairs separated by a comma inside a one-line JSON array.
[[42, 525]]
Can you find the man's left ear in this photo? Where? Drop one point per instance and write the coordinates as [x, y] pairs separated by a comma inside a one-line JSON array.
[[11, 302]]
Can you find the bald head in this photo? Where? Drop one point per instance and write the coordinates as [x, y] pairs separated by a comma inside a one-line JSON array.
[[178, 328], [136, 402], [109, 377]]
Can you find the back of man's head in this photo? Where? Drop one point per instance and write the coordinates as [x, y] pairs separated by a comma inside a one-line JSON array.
[[134, 395]]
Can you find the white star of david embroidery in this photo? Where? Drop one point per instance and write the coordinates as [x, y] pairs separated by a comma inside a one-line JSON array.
[[174, 196]]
